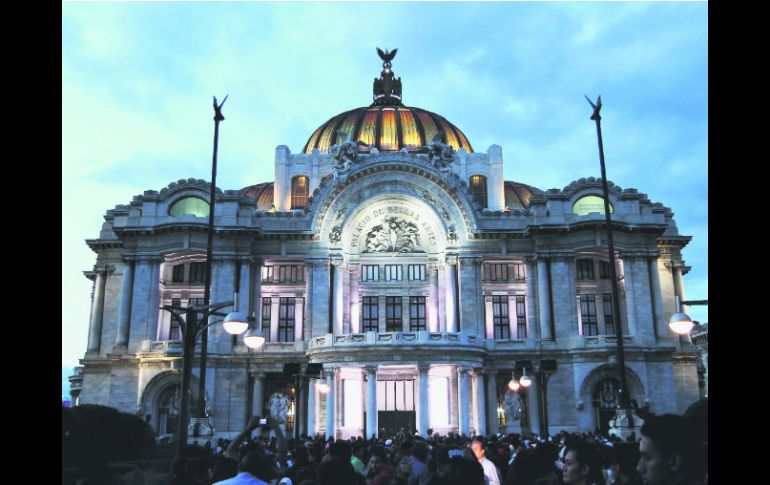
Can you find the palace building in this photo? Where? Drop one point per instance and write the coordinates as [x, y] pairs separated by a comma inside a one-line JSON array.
[[399, 260]]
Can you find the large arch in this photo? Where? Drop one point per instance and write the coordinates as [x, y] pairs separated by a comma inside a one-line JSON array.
[[393, 174], [587, 414], [153, 392]]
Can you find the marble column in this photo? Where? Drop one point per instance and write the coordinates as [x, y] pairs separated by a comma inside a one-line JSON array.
[[338, 313], [97, 312], [275, 303], [299, 318], [489, 315], [371, 401], [470, 298], [319, 297], [451, 295], [311, 411], [657, 300], [433, 305], [531, 299], [255, 291], [628, 284], [543, 300], [463, 406], [533, 405], [354, 304], [124, 312], [244, 287], [479, 403], [258, 394], [564, 301], [331, 409], [492, 427], [423, 406]]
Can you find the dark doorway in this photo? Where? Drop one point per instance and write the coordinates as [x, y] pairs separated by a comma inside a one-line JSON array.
[[394, 421], [606, 399]]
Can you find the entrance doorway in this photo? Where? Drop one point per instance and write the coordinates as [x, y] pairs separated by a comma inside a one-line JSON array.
[[605, 400], [391, 422]]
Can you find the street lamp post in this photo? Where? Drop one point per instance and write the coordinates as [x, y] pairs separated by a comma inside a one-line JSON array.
[[200, 410], [625, 403]]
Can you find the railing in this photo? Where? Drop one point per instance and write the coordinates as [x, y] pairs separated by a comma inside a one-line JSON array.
[[394, 338]]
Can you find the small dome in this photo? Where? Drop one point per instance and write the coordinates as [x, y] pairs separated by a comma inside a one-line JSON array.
[[389, 128], [517, 195], [262, 192]]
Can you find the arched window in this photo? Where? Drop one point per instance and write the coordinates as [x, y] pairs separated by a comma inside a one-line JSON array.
[[168, 410], [190, 205], [300, 189], [479, 189]]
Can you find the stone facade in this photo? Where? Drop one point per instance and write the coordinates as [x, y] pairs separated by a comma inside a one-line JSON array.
[[415, 295]]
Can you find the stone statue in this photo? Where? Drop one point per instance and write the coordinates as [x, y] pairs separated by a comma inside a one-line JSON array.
[[344, 154], [512, 406], [440, 155], [278, 404]]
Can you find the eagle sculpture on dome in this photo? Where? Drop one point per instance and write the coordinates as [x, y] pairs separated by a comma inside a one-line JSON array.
[[387, 56]]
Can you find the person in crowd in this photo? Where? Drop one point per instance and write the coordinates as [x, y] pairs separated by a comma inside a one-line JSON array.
[[420, 474], [379, 471], [253, 469], [670, 453], [490, 470], [403, 471], [337, 471], [582, 465]]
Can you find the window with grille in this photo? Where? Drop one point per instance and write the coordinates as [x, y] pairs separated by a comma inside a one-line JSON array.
[[370, 272], [500, 320], [300, 189], [177, 273], [497, 272], [479, 189], [588, 315], [393, 315], [604, 270], [609, 318], [267, 306], [416, 272], [518, 271], [286, 319], [521, 317], [197, 272], [416, 313], [393, 272], [585, 269], [370, 313]]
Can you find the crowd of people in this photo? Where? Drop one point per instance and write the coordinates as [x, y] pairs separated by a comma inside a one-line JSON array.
[[669, 451]]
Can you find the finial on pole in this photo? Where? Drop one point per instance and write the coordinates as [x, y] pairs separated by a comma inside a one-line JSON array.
[[597, 107], [218, 109]]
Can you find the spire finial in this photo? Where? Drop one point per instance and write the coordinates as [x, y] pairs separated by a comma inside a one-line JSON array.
[[387, 91]]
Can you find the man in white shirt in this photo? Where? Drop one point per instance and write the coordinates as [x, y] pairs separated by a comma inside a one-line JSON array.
[[490, 470], [254, 469]]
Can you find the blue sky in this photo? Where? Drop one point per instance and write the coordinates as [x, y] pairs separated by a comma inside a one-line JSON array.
[[138, 80]]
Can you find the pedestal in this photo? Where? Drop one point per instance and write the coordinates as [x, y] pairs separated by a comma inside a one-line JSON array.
[[204, 429]]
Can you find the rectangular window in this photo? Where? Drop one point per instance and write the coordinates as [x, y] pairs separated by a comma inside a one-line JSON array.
[[585, 269], [416, 313], [588, 315], [609, 319], [393, 316], [518, 271], [370, 313], [267, 305], [497, 272], [289, 274], [197, 272], [500, 318], [370, 272], [521, 317], [416, 272], [604, 270], [177, 273], [286, 319], [393, 272], [267, 274]]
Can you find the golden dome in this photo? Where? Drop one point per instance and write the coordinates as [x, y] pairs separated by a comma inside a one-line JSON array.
[[388, 128]]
